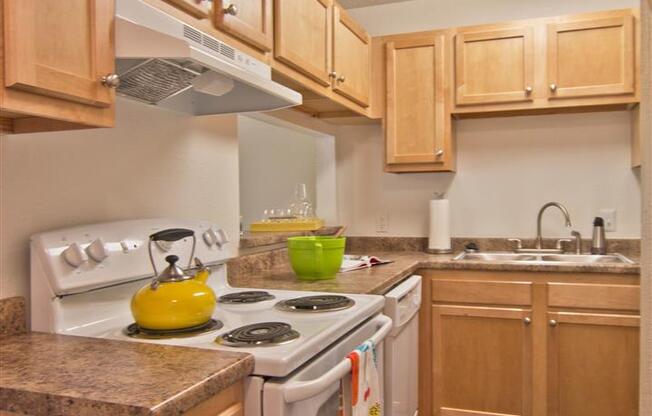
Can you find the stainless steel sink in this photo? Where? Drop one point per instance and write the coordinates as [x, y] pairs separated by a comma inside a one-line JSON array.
[[498, 257]]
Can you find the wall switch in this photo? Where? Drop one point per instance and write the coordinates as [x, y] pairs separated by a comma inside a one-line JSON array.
[[382, 222], [609, 217]]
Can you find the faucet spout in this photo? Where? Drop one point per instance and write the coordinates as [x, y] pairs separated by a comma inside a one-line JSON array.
[[539, 240]]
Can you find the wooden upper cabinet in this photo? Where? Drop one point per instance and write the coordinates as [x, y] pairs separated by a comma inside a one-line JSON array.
[[303, 36], [194, 8], [482, 361], [417, 123], [494, 66], [593, 362], [248, 20], [351, 58], [60, 49], [591, 57]]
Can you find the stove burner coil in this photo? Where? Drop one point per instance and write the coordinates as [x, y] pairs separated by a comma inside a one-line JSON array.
[[136, 331], [264, 333], [318, 303], [250, 296]]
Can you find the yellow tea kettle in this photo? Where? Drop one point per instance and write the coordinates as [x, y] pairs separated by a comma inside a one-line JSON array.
[[174, 299]]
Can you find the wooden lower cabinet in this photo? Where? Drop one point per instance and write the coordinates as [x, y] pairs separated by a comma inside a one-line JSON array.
[[482, 360], [552, 344], [592, 364], [228, 402]]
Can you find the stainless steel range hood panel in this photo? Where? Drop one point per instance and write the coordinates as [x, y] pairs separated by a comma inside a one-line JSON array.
[[149, 40]]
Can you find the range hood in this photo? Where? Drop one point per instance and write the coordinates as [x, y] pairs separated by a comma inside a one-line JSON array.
[[164, 62]]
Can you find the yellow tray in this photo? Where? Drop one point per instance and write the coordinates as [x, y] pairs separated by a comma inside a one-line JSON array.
[[310, 224]]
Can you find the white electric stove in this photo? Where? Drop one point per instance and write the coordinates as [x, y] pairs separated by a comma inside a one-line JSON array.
[[82, 280]]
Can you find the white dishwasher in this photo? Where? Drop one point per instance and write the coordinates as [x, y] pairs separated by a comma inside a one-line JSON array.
[[402, 349]]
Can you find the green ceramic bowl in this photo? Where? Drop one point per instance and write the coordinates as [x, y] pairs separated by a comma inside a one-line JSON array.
[[316, 258]]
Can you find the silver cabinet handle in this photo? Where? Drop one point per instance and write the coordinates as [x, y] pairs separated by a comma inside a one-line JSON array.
[[111, 80], [528, 90], [439, 153], [231, 9], [341, 78], [332, 75], [553, 87], [552, 323], [527, 320]]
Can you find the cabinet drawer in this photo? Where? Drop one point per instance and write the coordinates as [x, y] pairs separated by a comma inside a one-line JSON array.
[[474, 291], [593, 296]]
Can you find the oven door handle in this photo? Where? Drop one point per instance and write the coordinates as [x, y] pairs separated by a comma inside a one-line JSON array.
[[301, 390]]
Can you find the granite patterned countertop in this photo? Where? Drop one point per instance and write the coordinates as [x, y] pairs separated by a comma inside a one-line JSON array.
[[46, 374], [380, 279]]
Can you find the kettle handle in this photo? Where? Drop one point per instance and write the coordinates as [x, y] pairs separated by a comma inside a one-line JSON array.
[[171, 234]]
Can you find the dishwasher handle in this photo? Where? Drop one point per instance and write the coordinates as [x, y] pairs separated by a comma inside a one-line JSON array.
[[301, 390]]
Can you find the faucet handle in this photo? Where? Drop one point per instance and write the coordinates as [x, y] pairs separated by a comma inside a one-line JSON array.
[[519, 243], [561, 241], [578, 241]]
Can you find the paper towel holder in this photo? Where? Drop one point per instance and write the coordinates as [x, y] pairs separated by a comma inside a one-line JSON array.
[[439, 196]]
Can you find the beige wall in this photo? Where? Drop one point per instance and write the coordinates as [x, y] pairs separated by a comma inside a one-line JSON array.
[[155, 163], [507, 167]]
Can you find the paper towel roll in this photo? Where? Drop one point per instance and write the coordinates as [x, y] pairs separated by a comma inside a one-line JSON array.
[[439, 238]]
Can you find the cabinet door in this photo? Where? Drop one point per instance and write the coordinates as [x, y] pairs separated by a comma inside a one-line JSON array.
[[416, 110], [249, 20], [494, 66], [195, 8], [482, 361], [591, 57], [303, 36], [351, 64], [592, 364], [60, 49]]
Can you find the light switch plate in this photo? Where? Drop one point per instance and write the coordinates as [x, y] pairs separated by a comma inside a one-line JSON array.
[[609, 217], [382, 221]]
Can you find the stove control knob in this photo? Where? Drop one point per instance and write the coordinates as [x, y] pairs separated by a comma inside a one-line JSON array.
[[124, 245], [222, 237], [210, 237], [97, 250], [74, 255]]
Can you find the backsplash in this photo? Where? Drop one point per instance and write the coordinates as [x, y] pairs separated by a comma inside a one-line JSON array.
[[12, 316]]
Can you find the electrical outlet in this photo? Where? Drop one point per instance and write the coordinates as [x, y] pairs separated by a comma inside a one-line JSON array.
[[609, 217], [382, 222]]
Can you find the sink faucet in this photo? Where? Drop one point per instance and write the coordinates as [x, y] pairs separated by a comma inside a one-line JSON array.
[[564, 211]]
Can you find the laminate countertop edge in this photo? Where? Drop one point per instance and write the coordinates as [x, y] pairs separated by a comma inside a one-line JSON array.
[[50, 374]]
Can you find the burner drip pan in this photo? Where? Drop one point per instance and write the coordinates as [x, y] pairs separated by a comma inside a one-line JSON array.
[[136, 331], [260, 334], [318, 303], [248, 296]]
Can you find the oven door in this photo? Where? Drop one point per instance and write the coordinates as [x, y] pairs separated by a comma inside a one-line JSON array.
[[314, 390]]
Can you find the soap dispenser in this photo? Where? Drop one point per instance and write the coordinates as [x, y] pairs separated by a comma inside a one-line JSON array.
[[599, 242]]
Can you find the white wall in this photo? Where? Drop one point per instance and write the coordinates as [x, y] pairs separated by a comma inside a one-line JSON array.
[[273, 159], [154, 163], [507, 167], [416, 15]]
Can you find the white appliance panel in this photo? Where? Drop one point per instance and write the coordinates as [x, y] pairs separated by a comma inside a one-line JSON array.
[[402, 349]]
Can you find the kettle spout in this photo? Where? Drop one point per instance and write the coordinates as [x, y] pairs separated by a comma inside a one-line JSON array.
[[203, 272]]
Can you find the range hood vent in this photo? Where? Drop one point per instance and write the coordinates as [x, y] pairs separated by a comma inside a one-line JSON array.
[[162, 61]]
